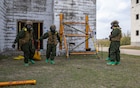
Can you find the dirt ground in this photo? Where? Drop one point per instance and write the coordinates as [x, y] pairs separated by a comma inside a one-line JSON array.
[[81, 71]]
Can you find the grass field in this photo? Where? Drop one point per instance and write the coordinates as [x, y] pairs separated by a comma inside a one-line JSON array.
[[77, 72], [130, 47]]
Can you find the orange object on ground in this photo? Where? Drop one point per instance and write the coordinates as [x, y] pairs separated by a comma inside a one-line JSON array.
[[12, 83], [37, 55]]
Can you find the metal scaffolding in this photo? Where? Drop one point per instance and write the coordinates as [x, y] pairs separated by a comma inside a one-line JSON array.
[[87, 34]]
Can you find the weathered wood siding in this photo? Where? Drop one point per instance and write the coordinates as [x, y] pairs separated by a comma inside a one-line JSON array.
[[75, 11], [2, 24], [35, 10], [46, 11]]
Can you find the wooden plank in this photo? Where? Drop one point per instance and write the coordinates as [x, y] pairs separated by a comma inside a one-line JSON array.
[[74, 22], [82, 53], [66, 47], [75, 35], [87, 30]]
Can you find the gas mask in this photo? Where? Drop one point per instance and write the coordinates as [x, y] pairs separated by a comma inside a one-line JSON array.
[[114, 23], [29, 27], [53, 28]]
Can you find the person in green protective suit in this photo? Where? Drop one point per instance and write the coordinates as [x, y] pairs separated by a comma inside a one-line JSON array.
[[108, 58], [114, 49], [53, 38], [25, 38]]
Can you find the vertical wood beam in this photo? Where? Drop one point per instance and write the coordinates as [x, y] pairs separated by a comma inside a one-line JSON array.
[[61, 29], [19, 28], [87, 30], [38, 35]]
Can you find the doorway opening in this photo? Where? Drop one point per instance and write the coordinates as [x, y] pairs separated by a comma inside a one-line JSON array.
[[38, 31]]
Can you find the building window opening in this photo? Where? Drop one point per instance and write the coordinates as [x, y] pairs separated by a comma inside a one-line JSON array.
[[137, 32], [137, 16], [137, 1]]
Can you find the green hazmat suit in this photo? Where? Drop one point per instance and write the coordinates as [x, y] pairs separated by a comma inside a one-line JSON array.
[[53, 38], [25, 38], [115, 38]]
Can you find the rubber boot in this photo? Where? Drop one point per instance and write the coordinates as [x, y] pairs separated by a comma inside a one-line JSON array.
[[52, 62], [111, 63], [47, 60], [117, 63], [32, 61]]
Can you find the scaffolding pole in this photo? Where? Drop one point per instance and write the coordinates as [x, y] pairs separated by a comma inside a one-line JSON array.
[[85, 34]]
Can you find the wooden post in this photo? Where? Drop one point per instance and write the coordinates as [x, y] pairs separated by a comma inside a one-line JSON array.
[[61, 29], [19, 29], [19, 26], [37, 55], [87, 29], [38, 35], [66, 47]]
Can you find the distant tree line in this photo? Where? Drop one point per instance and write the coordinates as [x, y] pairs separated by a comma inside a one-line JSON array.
[[125, 40]]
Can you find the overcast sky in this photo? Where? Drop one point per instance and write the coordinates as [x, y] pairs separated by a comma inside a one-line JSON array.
[[109, 10]]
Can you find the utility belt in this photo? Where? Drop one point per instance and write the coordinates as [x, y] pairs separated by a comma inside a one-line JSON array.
[[52, 42], [23, 41]]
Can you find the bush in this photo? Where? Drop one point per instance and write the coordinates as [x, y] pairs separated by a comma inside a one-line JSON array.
[[125, 40], [104, 42]]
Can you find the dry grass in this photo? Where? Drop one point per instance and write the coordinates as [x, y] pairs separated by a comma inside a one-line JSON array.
[[78, 72], [130, 47]]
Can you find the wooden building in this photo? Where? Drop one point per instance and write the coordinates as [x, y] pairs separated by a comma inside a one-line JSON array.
[[43, 13]]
